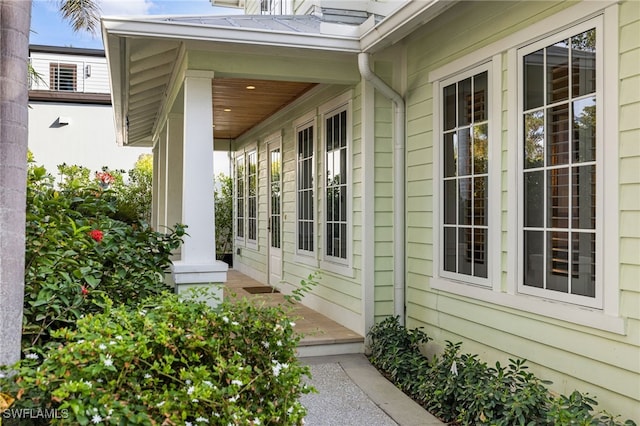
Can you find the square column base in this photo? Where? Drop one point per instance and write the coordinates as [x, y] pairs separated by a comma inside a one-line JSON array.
[[210, 277]]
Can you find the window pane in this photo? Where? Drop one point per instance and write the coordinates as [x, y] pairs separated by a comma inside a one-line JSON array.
[[583, 253], [583, 63], [330, 239], [533, 258], [480, 202], [533, 80], [464, 202], [533, 199], [480, 97], [480, 253], [584, 130], [343, 240], [450, 154], [534, 139], [558, 135], [464, 152], [480, 149], [449, 107], [558, 71], [450, 249], [583, 205], [343, 203], [558, 261], [464, 102], [465, 252], [558, 198], [450, 198]]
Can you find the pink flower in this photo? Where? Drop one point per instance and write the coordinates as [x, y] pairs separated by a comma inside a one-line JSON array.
[[105, 177], [96, 234], [84, 290]]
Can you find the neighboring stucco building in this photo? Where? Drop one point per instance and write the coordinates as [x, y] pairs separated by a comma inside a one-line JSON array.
[[70, 113], [472, 167]]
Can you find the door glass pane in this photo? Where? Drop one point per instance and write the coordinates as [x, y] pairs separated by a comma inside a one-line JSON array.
[[450, 154], [464, 152], [558, 198], [450, 197], [480, 202], [480, 97], [480, 149]]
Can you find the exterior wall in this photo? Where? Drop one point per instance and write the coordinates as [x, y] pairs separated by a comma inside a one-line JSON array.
[[602, 358], [92, 75], [88, 140], [339, 294]]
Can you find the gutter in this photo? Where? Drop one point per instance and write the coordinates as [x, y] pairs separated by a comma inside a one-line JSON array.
[[399, 186]]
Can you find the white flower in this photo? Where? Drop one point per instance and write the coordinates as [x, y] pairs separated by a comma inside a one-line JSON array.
[[142, 312], [256, 421], [202, 419], [195, 400], [235, 323], [233, 398], [236, 382], [293, 324], [188, 381], [113, 342], [102, 346], [31, 356], [81, 341], [96, 419], [225, 319], [147, 376], [108, 361], [279, 343], [99, 380], [188, 424], [90, 385], [266, 345], [160, 404], [118, 337], [454, 369], [208, 383], [278, 327], [190, 390]]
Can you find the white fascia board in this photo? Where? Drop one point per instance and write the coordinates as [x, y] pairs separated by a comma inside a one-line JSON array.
[[114, 57], [191, 31], [401, 23]]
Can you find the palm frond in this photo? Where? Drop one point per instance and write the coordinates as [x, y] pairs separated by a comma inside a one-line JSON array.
[[82, 14]]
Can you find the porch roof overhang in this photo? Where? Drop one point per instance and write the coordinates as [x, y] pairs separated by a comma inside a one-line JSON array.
[[148, 57]]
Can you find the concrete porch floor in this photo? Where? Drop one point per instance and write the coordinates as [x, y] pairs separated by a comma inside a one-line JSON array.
[[321, 336]]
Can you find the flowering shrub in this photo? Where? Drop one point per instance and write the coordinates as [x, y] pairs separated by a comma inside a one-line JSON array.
[[76, 253], [169, 362]]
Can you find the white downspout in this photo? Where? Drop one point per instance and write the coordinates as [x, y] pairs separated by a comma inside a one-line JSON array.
[[399, 185]]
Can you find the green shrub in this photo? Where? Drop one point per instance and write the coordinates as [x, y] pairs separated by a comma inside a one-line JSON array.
[[169, 362], [462, 389], [76, 252], [223, 197]]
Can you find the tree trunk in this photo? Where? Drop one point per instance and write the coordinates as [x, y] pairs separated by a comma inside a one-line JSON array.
[[15, 19]]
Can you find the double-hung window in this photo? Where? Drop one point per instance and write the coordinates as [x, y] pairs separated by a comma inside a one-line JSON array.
[[464, 180], [305, 188], [63, 77], [560, 166], [246, 196], [336, 185]]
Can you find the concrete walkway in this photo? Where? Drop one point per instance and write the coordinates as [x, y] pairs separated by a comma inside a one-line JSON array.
[[353, 393]]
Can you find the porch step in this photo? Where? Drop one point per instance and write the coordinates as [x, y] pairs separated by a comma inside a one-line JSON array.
[[306, 349]]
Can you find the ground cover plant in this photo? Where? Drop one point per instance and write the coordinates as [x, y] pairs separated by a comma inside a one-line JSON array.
[[462, 389], [168, 362]]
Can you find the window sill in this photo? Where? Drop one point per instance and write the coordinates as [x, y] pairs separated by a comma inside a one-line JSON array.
[[586, 317]]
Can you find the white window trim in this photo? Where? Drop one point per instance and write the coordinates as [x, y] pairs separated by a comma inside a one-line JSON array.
[[240, 241], [244, 241], [341, 103], [306, 257], [252, 243], [608, 318], [591, 302], [493, 187]]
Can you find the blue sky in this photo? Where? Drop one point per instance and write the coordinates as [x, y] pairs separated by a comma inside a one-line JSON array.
[[48, 28]]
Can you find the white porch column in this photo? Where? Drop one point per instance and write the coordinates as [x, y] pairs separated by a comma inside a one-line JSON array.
[[154, 187], [198, 265], [175, 133], [162, 182]]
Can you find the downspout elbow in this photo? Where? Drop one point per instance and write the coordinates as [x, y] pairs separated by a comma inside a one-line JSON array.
[[399, 178]]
